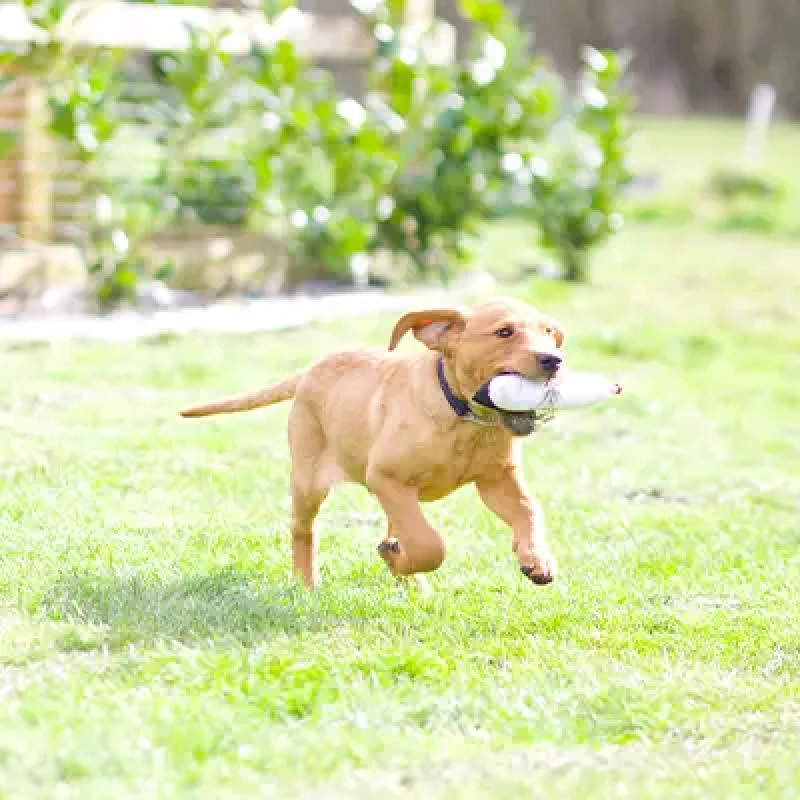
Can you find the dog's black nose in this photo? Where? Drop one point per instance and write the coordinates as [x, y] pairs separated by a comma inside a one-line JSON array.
[[549, 362]]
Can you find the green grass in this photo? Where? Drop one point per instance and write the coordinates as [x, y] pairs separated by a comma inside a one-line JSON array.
[[151, 644]]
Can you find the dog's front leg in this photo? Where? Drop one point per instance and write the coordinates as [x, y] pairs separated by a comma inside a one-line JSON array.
[[507, 497], [415, 546]]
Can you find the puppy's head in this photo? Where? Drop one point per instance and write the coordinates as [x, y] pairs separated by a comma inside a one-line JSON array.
[[501, 336]]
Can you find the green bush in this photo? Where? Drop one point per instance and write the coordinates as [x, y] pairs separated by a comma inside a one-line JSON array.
[[320, 162], [576, 196], [412, 170], [462, 123]]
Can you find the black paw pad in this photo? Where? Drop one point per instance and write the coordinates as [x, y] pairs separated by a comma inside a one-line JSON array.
[[539, 580]]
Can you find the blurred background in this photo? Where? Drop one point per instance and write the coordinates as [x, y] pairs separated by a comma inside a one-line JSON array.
[[692, 56], [174, 154]]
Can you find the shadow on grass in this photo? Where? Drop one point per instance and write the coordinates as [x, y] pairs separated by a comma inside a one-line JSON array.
[[115, 610]]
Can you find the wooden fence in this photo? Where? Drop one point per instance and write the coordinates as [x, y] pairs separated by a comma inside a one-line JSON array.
[[40, 197]]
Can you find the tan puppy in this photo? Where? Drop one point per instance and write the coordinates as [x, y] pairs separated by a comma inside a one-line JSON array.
[[404, 427]]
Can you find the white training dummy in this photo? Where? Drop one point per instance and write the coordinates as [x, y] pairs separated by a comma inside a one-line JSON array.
[[568, 391]]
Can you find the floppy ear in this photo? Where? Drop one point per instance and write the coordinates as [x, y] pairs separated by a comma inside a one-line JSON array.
[[430, 326]]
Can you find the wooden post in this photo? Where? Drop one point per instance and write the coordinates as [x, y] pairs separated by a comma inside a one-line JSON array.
[[11, 116], [35, 174]]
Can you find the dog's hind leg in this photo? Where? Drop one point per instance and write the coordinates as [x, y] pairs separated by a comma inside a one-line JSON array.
[[309, 490], [306, 502]]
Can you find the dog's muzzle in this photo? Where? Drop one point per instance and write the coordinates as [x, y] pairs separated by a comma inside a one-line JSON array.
[[520, 423]]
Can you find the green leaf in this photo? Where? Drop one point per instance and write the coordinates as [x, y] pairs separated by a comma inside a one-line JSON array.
[[165, 271], [286, 62], [485, 12], [353, 234], [8, 143], [272, 8]]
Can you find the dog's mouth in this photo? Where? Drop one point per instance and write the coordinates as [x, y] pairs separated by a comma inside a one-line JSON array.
[[522, 423]]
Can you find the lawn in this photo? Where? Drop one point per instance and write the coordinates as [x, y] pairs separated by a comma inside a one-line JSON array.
[[152, 646]]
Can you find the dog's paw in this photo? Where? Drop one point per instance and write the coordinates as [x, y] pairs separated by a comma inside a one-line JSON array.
[[542, 569], [389, 551], [388, 546]]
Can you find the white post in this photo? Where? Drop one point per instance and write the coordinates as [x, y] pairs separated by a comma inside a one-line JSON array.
[[759, 115]]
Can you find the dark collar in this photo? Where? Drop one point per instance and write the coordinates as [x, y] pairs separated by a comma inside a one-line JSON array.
[[456, 403]]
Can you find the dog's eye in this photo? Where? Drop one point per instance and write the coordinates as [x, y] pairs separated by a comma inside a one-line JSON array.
[[504, 333]]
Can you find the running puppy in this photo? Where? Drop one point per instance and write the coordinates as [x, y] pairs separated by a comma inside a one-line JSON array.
[[404, 427]]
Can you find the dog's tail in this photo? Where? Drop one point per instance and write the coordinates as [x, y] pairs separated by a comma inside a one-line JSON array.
[[278, 393]]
